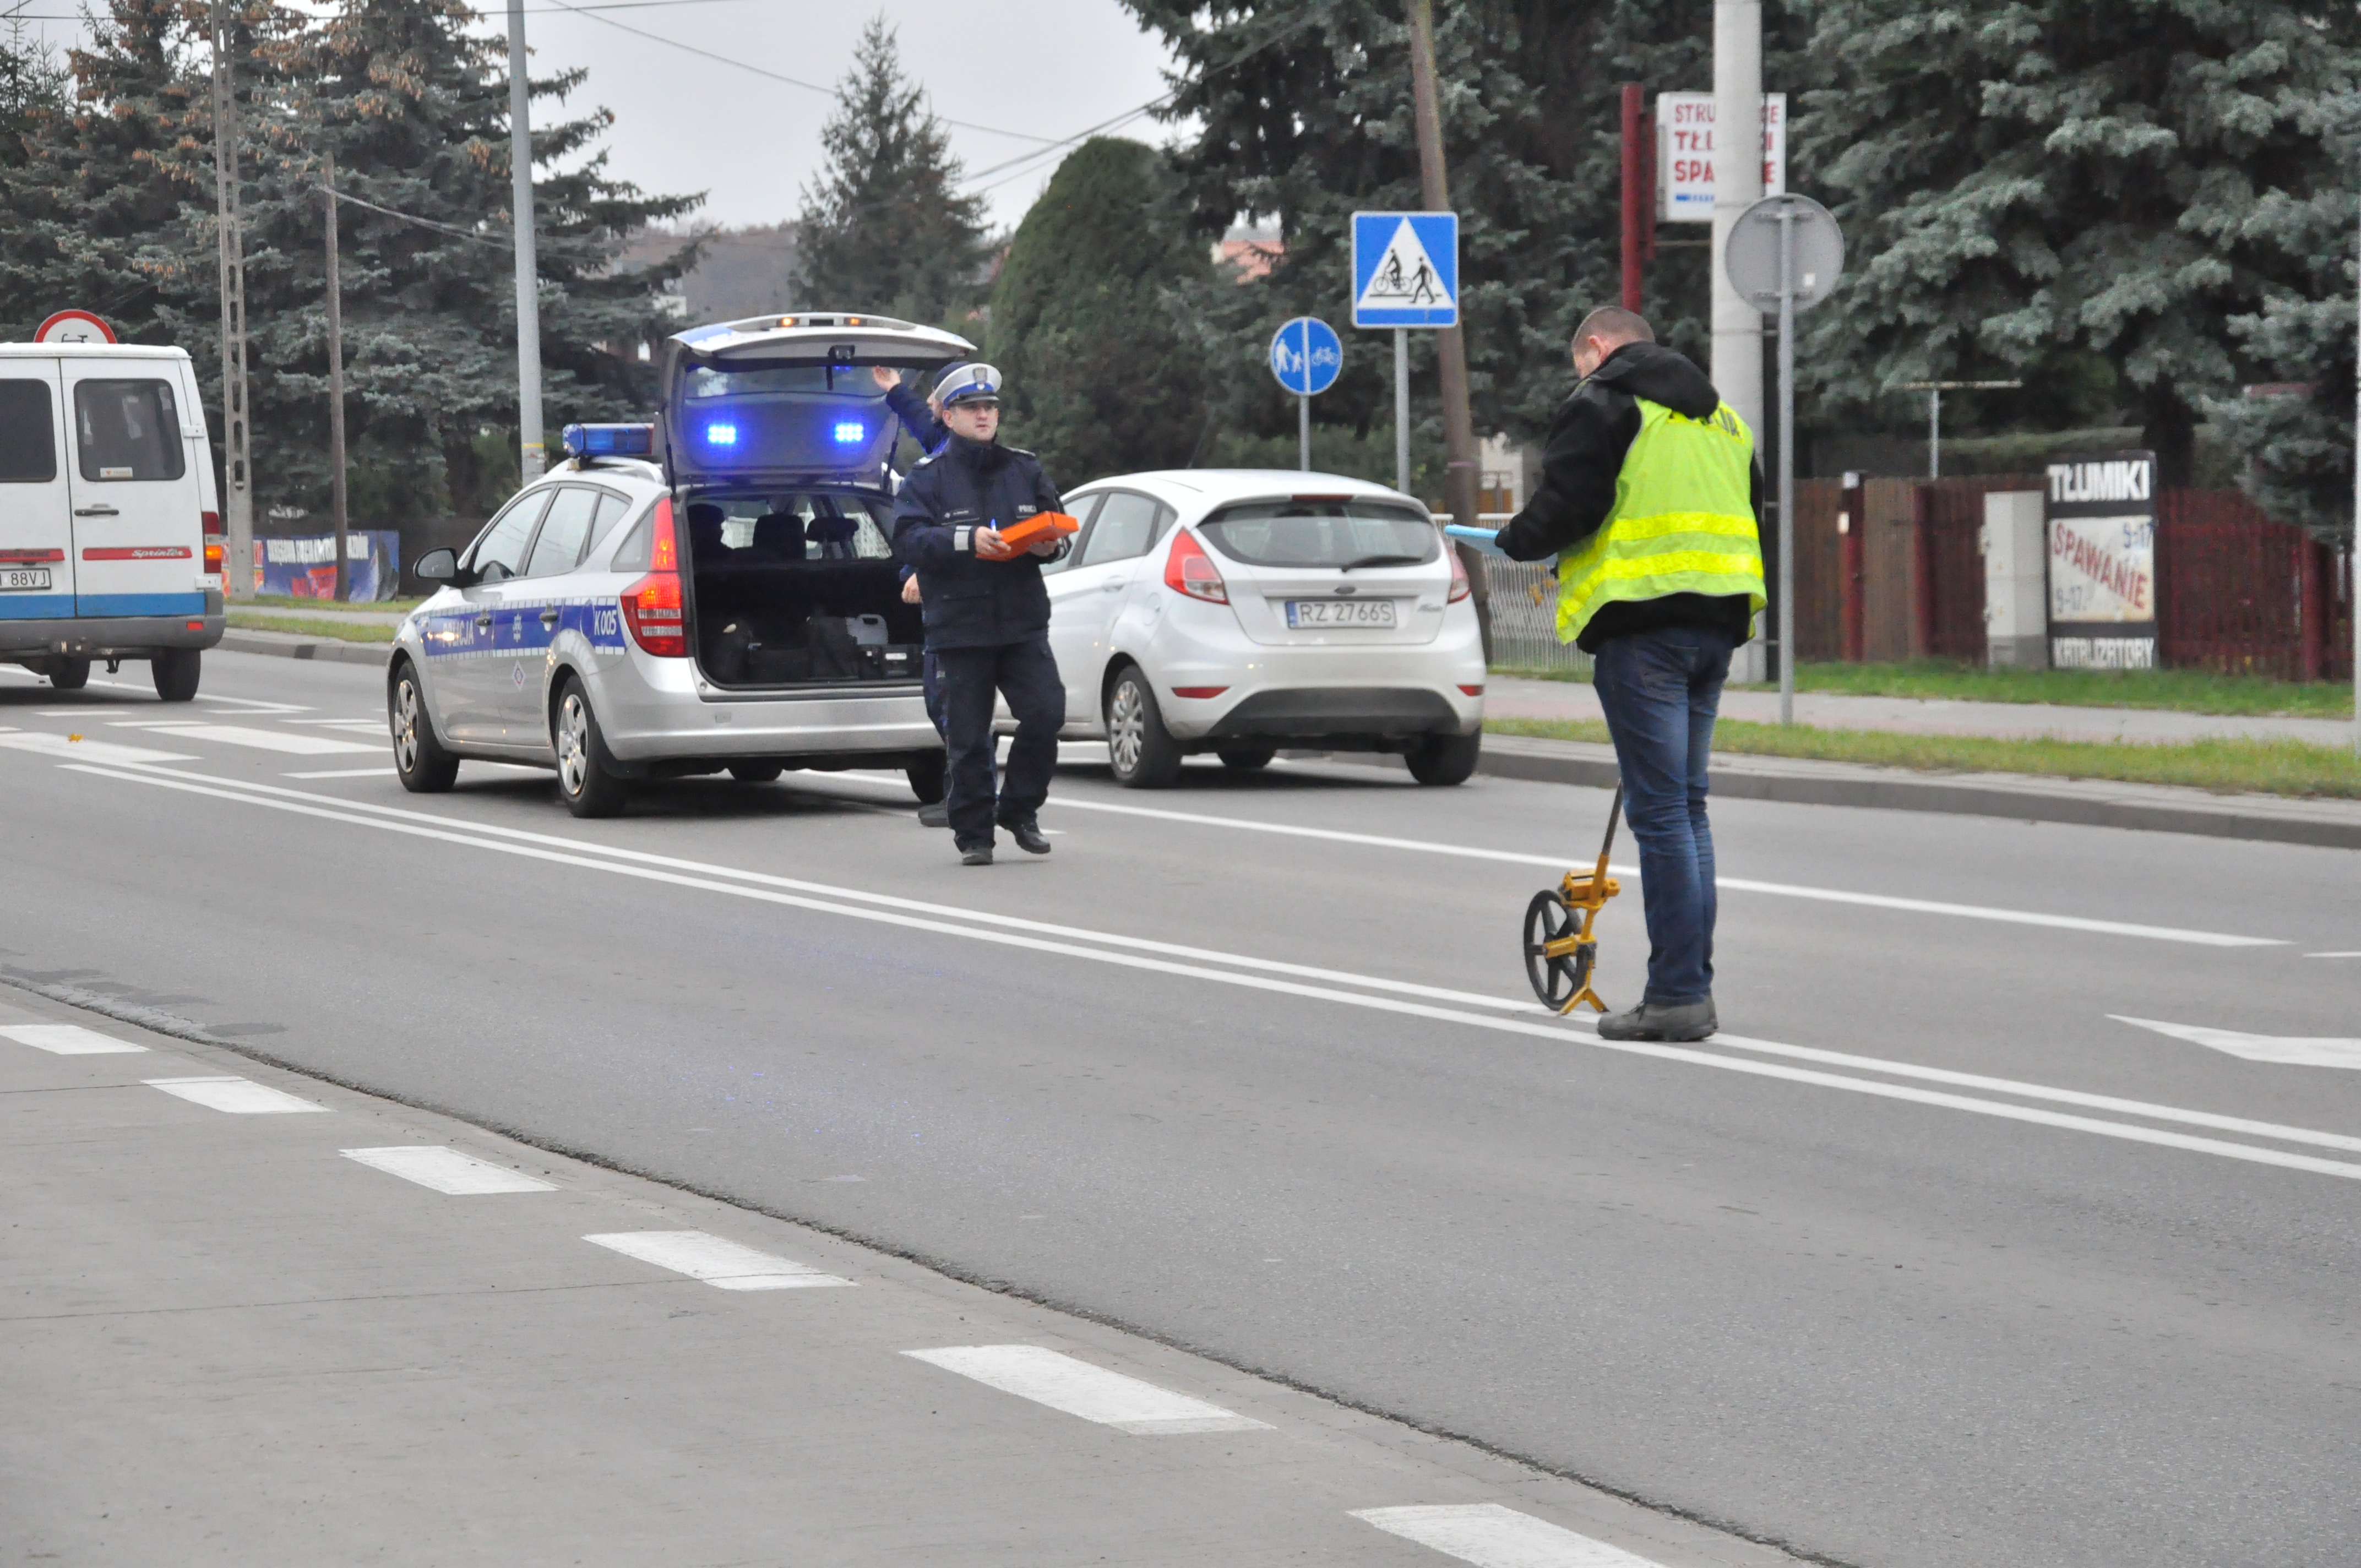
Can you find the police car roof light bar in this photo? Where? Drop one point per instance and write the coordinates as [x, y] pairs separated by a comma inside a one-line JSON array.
[[609, 440]]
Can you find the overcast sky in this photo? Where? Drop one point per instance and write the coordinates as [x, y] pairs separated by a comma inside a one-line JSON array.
[[1046, 68]]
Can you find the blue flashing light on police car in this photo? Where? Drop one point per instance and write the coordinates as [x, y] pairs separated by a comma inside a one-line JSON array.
[[721, 435], [849, 431], [609, 440]]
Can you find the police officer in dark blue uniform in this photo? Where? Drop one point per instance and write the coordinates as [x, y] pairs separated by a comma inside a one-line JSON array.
[[922, 418], [987, 611]]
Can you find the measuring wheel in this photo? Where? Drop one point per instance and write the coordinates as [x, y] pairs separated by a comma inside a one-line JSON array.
[[1557, 961]]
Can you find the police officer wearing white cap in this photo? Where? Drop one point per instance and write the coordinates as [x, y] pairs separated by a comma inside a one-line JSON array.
[[987, 611]]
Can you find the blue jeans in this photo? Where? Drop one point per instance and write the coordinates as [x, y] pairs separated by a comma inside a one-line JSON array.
[[1660, 690]]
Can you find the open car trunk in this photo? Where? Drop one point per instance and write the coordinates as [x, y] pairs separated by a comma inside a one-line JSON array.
[[798, 587]]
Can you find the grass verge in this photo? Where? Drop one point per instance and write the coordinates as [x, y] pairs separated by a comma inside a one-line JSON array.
[[287, 601], [2182, 691], [2224, 766], [339, 631]]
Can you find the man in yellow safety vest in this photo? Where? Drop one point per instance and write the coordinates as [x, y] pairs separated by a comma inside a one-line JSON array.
[[1650, 499]]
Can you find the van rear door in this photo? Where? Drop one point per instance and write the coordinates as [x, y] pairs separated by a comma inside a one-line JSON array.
[[36, 566], [790, 398], [138, 525]]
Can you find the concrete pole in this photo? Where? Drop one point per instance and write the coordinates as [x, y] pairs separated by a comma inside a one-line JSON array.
[[1459, 483], [2353, 549], [1934, 432], [336, 374], [1737, 185], [1787, 464], [238, 473], [531, 460], [1401, 410]]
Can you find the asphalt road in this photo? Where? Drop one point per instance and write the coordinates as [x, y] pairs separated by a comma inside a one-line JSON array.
[[1248, 1066]]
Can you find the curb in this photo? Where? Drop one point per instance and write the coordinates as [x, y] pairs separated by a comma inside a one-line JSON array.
[[287, 645], [2158, 809]]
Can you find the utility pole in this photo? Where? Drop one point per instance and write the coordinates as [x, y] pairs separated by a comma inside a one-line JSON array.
[[1737, 185], [530, 458], [237, 477], [336, 370], [1451, 342], [1639, 194]]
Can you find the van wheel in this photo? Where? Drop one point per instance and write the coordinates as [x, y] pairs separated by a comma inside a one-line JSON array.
[[419, 759], [586, 775], [756, 773], [175, 672], [69, 675], [928, 778], [1144, 753], [1444, 759], [1247, 759]]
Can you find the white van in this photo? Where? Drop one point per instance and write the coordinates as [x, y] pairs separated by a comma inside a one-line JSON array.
[[107, 513]]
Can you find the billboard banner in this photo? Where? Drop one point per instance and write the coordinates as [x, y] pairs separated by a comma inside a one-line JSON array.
[[306, 568], [2101, 522]]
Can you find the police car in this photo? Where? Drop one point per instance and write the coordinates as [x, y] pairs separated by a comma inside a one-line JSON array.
[[1239, 611], [710, 592]]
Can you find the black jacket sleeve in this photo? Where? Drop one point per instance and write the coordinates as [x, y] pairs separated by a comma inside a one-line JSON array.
[[921, 540], [1579, 464], [917, 418]]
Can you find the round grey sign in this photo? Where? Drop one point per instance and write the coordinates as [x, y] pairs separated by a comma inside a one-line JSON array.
[[1752, 256]]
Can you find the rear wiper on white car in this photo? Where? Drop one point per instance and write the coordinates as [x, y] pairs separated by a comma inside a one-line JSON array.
[[1382, 561]]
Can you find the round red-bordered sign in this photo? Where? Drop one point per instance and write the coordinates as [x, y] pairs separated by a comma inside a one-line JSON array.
[[75, 327]]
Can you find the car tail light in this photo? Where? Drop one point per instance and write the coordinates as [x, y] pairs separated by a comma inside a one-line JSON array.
[[1188, 570], [214, 559], [1459, 589], [1199, 691], [1475, 690], [212, 523], [652, 607]]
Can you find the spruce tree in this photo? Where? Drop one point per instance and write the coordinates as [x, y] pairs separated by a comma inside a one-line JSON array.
[[885, 228], [2023, 183], [1099, 377]]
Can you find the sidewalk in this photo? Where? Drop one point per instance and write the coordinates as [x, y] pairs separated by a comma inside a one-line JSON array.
[[1509, 696]]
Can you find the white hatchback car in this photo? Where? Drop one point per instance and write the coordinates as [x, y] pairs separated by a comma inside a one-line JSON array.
[[1239, 612]]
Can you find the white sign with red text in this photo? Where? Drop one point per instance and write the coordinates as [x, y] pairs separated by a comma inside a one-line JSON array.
[[2102, 512], [1685, 154]]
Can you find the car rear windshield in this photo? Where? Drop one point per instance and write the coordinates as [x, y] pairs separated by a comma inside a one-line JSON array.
[[844, 380], [129, 431], [1343, 533]]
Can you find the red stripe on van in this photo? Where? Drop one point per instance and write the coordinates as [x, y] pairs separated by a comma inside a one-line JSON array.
[[139, 553], [19, 557]]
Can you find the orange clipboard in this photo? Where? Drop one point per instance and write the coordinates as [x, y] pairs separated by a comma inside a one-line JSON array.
[[1022, 536]]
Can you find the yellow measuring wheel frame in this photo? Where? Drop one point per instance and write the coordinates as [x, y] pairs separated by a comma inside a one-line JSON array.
[[1561, 948]]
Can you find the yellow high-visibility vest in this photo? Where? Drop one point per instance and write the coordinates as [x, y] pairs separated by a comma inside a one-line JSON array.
[[1683, 520]]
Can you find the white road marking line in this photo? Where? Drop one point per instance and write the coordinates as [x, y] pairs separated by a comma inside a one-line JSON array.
[[2351, 955], [447, 1170], [2290, 1051], [970, 926], [1493, 1537], [343, 723], [48, 745], [1079, 1388], [251, 707], [66, 1039], [378, 772], [265, 740], [1734, 884], [238, 1096], [725, 1264]]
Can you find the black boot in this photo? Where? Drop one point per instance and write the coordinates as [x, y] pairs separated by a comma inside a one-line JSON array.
[[977, 854], [1028, 836], [935, 813], [1657, 1021]]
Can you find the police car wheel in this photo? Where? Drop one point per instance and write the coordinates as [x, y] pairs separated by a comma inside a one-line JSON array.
[[419, 759], [1142, 751], [755, 773], [585, 777], [929, 778]]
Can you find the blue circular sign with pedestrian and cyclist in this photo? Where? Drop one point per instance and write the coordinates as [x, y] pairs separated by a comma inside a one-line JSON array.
[[1307, 356]]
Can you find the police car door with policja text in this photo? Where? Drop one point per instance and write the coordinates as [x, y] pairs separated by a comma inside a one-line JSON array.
[[534, 606], [476, 641]]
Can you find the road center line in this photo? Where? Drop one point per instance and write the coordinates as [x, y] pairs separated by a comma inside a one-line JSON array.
[[969, 929], [1734, 884]]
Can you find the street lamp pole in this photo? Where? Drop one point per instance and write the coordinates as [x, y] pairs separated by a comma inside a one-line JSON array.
[[1934, 390], [237, 474], [531, 458]]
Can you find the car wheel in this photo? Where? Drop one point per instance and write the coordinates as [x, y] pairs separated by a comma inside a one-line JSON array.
[[586, 769], [1144, 753], [419, 759], [928, 778], [1247, 759], [69, 675], [175, 672], [756, 773], [1444, 759]]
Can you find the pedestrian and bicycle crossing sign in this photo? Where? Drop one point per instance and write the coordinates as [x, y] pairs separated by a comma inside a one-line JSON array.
[[1406, 269]]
